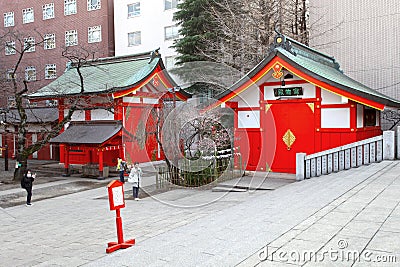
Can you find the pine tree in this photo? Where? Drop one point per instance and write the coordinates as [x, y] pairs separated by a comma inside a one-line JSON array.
[[196, 27]]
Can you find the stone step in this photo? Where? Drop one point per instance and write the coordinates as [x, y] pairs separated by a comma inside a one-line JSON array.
[[228, 189]]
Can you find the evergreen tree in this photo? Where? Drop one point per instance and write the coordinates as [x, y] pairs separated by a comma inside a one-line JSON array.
[[196, 26], [237, 32]]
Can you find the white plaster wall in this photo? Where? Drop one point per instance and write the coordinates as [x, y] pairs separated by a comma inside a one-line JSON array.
[[78, 115], [360, 116], [249, 119], [150, 100], [101, 114], [134, 100], [335, 118], [248, 98], [151, 22], [331, 98], [34, 140]]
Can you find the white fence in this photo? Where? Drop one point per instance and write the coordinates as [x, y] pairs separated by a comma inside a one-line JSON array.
[[353, 155]]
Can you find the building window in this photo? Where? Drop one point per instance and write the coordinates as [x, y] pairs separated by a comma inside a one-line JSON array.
[[71, 38], [29, 44], [51, 103], [69, 7], [50, 71], [9, 19], [369, 117], [9, 74], [133, 9], [10, 48], [134, 38], [48, 11], [93, 4], [170, 62], [170, 4], [171, 32], [11, 102], [30, 73], [94, 34], [49, 41], [27, 15]]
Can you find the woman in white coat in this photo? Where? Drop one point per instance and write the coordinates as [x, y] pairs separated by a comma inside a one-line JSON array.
[[134, 177]]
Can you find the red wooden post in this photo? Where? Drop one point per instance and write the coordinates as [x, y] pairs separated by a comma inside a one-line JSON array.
[[120, 233], [117, 201], [66, 161], [101, 162]]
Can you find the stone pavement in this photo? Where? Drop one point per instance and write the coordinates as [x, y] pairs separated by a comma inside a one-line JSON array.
[[353, 215]]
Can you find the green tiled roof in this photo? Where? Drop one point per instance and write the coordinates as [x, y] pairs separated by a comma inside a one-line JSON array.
[[328, 70], [319, 66], [103, 75]]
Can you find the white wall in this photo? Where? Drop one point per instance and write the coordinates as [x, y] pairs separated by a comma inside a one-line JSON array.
[[335, 117], [34, 140], [360, 116], [134, 100], [249, 98], [101, 114], [151, 22], [76, 116], [331, 98], [249, 119], [150, 100]]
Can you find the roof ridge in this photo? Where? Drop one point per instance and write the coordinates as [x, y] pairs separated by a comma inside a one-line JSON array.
[[310, 48], [296, 48], [116, 59]]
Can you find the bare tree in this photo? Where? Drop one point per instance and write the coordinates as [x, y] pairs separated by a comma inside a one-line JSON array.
[[16, 84], [246, 28], [390, 118]]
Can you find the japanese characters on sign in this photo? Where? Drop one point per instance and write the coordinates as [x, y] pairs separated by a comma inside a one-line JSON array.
[[290, 91]]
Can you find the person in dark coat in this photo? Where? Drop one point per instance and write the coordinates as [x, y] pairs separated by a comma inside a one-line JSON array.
[[121, 166], [29, 177]]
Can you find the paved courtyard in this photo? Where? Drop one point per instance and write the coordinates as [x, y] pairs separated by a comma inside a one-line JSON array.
[[351, 218]]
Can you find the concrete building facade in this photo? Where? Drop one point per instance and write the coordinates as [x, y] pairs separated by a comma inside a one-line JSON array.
[[146, 25], [363, 36], [74, 23]]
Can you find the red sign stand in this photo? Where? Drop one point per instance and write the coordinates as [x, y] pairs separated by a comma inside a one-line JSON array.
[[117, 201]]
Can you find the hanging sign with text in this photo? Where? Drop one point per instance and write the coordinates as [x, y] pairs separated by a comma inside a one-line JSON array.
[[290, 91]]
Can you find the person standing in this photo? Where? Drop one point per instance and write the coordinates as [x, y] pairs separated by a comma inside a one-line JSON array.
[[28, 179], [121, 168], [134, 177]]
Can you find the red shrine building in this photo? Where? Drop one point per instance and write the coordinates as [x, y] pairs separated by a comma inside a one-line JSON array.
[[117, 109], [299, 100]]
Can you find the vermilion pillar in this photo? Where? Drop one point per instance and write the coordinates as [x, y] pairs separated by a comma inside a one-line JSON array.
[[66, 160], [101, 162]]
